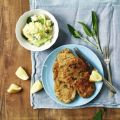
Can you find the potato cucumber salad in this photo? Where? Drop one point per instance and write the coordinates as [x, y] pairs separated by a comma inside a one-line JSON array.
[[38, 30]]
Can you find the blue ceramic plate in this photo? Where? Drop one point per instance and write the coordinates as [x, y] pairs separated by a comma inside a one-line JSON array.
[[47, 74]]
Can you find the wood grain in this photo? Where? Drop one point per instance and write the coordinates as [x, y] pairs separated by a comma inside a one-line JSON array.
[[12, 55]]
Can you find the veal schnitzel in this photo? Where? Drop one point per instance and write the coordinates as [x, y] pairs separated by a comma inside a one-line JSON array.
[[73, 73]]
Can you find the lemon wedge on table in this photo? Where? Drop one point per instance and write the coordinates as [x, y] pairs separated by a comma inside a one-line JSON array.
[[21, 73], [13, 88], [37, 86], [95, 76]]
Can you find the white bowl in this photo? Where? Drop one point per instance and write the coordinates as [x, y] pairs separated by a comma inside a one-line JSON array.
[[21, 23]]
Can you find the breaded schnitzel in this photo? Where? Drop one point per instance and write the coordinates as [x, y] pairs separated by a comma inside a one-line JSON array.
[[72, 72]]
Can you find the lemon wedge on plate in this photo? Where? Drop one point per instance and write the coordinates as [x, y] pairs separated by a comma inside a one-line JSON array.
[[13, 88], [37, 86], [20, 73], [95, 76]]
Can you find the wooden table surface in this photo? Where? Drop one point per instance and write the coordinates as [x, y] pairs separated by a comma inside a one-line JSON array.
[[12, 55]]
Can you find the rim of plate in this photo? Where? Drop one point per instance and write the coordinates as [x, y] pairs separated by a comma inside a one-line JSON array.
[[60, 102]]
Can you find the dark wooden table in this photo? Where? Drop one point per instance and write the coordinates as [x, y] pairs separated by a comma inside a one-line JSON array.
[[12, 55]]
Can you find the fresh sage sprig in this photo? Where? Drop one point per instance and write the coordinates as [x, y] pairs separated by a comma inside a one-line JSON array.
[[77, 34], [98, 115], [89, 32]]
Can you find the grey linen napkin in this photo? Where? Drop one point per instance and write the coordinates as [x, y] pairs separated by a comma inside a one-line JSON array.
[[71, 11]]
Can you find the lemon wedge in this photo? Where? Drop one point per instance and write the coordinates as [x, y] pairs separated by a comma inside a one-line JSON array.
[[37, 86], [95, 76], [20, 73], [13, 88]]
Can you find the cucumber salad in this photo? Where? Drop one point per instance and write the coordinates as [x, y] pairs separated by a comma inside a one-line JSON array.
[[38, 30]]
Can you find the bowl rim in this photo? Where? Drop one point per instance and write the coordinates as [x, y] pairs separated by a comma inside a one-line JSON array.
[[33, 47]]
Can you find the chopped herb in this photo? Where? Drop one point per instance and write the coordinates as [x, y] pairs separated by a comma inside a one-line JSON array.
[[29, 20]]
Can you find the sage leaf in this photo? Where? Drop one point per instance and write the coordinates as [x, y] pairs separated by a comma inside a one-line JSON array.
[[95, 23], [74, 32], [86, 29], [98, 115]]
